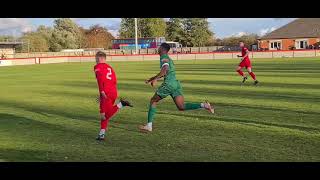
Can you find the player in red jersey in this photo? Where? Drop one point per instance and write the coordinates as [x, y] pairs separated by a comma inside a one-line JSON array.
[[107, 82], [245, 62]]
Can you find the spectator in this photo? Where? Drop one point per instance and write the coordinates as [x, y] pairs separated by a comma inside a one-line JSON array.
[[174, 50]]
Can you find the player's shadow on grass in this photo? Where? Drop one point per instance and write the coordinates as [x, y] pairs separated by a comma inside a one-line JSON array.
[[82, 84], [263, 84], [25, 132], [27, 126], [258, 95], [126, 127], [15, 155], [267, 108], [132, 86], [246, 122], [47, 110]]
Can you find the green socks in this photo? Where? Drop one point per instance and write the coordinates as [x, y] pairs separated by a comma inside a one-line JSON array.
[[187, 106], [151, 113], [190, 106]]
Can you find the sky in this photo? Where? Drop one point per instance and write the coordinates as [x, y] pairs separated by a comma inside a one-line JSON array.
[[222, 27]]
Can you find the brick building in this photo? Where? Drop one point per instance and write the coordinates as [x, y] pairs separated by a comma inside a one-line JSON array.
[[303, 33]]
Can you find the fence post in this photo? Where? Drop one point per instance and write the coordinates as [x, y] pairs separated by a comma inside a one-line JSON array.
[[272, 54], [315, 53], [292, 53], [213, 56]]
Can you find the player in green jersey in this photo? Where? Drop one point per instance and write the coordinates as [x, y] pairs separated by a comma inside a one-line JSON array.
[[171, 86]]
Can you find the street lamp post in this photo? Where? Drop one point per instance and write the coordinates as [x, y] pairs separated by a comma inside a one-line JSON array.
[[136, 33]]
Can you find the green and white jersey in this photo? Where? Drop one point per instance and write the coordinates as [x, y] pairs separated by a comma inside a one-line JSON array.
[[171, 74]]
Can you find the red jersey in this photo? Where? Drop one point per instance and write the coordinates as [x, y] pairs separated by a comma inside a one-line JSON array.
[[106, 78], [244, 52]]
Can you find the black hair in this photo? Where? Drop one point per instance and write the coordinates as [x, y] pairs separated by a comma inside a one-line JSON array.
[[165, 46]]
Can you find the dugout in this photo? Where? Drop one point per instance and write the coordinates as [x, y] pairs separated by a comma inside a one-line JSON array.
[[7, 49]]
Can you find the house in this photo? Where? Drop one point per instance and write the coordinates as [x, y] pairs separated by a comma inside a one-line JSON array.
[[7, 49], [302, 33]]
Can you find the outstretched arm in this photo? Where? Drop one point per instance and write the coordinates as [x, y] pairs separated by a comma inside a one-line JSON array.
[[162, 73]]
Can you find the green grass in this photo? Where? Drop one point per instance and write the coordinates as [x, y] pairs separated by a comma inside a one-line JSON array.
[[48, 113]]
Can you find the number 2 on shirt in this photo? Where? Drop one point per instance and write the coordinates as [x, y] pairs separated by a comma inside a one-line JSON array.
[[109, 73]]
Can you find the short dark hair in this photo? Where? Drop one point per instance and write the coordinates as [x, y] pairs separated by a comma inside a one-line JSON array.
[[241, 42], [166, 46], [101, 54]]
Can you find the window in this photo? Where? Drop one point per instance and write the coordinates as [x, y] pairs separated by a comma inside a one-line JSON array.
[[275, 45], [301, 44]]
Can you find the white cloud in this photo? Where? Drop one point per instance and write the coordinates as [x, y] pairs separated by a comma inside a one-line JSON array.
[[241, 34], [266, 31], [15, 26], [114, 33], [238, 34]]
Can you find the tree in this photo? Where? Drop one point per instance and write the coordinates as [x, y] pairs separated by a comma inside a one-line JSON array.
[[45, 31], [98, 37], [66, 35], [127, 28], [6, 38], [248, 39], [189, 31], [147, 27], [37, 42], [196, 32], [174, 30], [152, 27]]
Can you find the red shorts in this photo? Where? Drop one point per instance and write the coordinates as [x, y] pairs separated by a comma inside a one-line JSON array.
[[245, 63], [106, 104]]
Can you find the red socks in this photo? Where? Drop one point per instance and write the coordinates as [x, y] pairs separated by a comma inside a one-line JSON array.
[[113, 110], [104, 124], [253, 75], [240, 72]]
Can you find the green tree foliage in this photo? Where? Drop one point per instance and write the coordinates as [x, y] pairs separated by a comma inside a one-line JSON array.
[[5, 38], [189, 31], [197, 32], [248, 39], [34, 42], [46, 32], [37, 41], [174, 30], [127, 28], [66, 35], [147, 27], [152, 27]]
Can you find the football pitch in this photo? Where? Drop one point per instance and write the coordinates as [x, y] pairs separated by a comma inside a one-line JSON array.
[[48, 113]]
